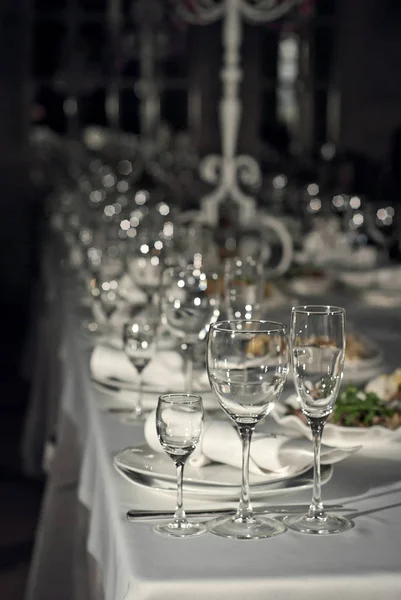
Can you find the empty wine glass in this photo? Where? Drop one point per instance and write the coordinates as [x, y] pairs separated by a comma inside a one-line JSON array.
[[179, 421], [247, 363], [189, 304], [317, 340], [139, 346], [243, 288]]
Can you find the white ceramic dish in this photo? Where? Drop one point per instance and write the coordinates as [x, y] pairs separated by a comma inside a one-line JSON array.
[[335, 435], [144, 467], [387, 279], [122, 395], [308, 285]]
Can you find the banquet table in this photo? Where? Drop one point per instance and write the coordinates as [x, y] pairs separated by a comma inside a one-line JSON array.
[[85, 548]]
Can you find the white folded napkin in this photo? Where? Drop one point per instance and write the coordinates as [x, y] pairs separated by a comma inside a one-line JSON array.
[[275, 453], [164, 371]]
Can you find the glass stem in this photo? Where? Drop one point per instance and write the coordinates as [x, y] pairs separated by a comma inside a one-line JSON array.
[[316, 509], [179, 516], [189, 367], [139, 405], [245, 511]]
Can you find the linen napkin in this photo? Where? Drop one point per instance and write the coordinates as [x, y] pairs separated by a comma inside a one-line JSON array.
[[269, 453], [164, 371]]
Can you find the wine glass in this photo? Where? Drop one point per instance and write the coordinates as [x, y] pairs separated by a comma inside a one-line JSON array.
[[247, 363], [317, 341], [139, 346], [243, 288], [179, 421], [189, 304]]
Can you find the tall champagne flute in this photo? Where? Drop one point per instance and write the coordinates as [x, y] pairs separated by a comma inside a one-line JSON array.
[[247, 363], [317, 340], [243, 288], [179, 421], [188, 306]]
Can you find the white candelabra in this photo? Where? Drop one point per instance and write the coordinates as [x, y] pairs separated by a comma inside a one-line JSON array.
[[148, 14], [230, 170]]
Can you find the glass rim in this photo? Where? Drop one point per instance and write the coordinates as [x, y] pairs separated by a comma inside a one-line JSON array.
[[318, 309], [184, 398], [277, 327]]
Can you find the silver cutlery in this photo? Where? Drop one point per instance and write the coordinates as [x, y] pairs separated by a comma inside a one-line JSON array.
[[152, 515]]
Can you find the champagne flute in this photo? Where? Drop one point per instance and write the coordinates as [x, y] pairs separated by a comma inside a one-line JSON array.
[[247, 363], [188, 306], [243, 288], [179, 421], [317, 340], [139, 346]]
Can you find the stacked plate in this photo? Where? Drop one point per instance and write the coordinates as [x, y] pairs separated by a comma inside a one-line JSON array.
[[125, 389], [144, 467]]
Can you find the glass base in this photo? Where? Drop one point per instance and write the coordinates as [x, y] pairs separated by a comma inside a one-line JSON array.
[[181, 530], [252, 528], [318, 525]]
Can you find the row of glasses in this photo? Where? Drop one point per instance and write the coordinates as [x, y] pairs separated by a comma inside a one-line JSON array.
[[248, 363]]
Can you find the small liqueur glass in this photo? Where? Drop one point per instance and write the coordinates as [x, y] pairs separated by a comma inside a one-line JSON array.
[[179, 421]]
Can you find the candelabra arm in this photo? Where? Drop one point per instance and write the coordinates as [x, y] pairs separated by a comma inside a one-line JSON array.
[[266, 11]]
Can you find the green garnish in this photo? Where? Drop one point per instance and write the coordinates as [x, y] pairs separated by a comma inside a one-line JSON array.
[[357, 408]]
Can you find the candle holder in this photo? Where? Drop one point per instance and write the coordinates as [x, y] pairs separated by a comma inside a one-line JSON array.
[[227, 171]]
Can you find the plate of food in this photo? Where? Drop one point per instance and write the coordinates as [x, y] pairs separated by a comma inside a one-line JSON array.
[[369, 415], [363, 359], [303, 280]]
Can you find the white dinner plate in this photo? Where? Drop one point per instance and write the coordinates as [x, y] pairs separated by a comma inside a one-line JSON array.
[[145, 461], [293, 484], [123, 394]]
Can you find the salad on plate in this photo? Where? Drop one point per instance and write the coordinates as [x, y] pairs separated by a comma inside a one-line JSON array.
[[361, 415]]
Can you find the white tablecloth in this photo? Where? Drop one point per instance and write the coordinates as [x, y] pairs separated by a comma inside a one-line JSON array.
[[136, 564]]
